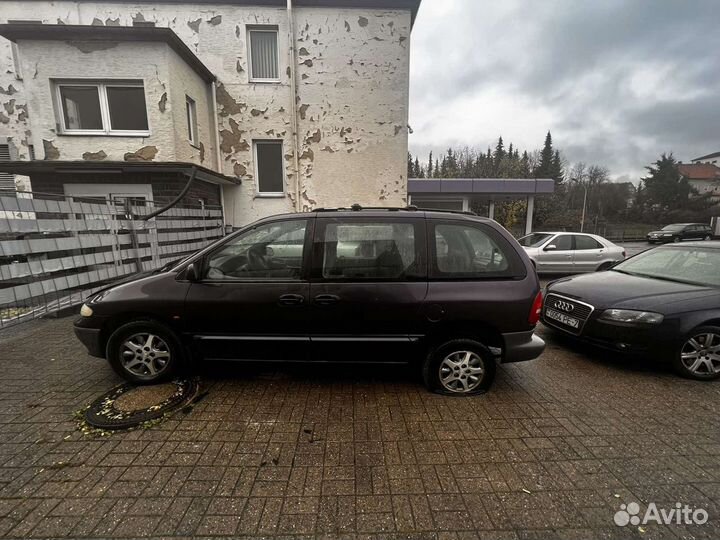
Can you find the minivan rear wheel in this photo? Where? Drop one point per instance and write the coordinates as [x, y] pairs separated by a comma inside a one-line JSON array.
[[144, 352], [461, 367]]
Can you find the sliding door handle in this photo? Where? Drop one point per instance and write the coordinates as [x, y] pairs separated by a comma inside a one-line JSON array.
[[291, 299], [326, 299]]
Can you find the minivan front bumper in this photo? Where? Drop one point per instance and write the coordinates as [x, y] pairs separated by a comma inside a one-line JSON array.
[[521, 346], [89, 336]]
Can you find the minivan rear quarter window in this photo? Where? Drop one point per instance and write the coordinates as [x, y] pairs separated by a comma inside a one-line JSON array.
[[371, 250], [464, 251]]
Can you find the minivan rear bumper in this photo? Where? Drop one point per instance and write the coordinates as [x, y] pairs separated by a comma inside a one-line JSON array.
[[521, 346]]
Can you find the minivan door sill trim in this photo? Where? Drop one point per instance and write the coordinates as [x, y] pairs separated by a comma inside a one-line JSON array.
[[252, 338], [371, 339]]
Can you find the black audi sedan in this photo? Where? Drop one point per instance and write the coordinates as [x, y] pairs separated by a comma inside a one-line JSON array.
[[663, 303], [677, 232]]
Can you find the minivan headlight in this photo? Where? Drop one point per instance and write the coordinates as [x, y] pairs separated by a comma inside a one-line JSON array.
[[86, 311], [632, 316]]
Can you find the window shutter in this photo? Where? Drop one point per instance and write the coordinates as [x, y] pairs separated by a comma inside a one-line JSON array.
[[264, 54], [7, 180]]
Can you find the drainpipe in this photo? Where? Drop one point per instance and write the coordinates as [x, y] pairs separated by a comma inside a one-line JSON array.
[[293, 103], [218, 155]]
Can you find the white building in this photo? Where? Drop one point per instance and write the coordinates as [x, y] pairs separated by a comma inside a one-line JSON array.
[[276, 105]]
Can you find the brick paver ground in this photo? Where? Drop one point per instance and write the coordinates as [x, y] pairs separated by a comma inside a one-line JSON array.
[[550, 452]]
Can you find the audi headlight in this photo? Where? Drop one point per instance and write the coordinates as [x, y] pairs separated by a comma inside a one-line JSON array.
[[632, 316], [86, 311]]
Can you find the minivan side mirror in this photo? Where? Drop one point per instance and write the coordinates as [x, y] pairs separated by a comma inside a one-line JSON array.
[[550, 247], [192, 273]]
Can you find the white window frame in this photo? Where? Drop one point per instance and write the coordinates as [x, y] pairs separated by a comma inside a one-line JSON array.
[[266, 29], [270, 194], [102, 86], [191, 115]]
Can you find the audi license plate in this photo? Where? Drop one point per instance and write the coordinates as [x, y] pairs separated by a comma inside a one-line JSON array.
[[562, 318]]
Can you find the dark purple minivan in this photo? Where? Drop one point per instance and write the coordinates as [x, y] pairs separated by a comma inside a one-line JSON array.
[[450, 292]]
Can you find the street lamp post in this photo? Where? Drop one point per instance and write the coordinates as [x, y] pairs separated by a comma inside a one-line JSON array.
[[582, 219]]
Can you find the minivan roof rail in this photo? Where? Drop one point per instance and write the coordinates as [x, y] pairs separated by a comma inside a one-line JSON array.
[[410, 208]]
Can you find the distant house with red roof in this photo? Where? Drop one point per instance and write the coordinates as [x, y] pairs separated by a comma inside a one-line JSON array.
[[703, 174]]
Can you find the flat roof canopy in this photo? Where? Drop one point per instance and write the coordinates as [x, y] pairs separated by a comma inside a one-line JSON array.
[[480, 186], [29, 168]]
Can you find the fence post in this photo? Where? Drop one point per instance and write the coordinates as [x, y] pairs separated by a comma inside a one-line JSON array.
[[133, 233]]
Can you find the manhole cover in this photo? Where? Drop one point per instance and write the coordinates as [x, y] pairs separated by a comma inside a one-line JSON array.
[[127, 406]]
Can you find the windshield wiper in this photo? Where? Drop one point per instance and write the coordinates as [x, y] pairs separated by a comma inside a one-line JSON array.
[[675, 280], [626, 272]]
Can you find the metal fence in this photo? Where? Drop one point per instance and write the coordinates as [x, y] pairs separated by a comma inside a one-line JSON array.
[[57, 250]]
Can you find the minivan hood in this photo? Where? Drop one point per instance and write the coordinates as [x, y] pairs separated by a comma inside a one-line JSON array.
[[615, 289]]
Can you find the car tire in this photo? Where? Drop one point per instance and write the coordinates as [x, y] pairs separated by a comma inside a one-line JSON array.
[[676, 239], [452, 368], [144, 352], [708, 237], [694, 360]]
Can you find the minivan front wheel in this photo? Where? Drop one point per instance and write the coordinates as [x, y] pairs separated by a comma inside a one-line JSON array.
[[459, 367], [144, 352]]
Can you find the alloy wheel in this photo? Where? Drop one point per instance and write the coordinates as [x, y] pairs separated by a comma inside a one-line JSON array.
[[461, 371], [701, 354], [145, 355]]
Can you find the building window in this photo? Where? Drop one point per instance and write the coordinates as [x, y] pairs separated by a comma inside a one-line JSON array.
[[102, 108], [263, 54], [269, 167], [191, 114]]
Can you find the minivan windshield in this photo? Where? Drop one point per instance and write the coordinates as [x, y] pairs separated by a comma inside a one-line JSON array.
[[694, 265], [534, 239]]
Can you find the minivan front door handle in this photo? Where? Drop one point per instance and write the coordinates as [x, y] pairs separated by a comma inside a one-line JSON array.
[[326, 299], [291, 299]]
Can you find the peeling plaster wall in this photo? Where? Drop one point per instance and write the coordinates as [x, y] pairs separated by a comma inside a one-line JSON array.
[[14, 115], [184, 81], [153, 63], [352, 75]]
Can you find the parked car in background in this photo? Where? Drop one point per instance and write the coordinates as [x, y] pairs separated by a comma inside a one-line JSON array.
[[663, 303], [677, 232], [450, 292], [570, 253]]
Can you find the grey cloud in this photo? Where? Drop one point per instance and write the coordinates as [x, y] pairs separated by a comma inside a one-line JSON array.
[[578, 59]]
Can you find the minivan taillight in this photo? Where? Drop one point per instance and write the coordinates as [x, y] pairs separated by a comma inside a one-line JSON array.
[[536, 309]]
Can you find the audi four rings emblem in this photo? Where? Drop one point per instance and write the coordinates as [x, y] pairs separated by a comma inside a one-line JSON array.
[[565, 306]]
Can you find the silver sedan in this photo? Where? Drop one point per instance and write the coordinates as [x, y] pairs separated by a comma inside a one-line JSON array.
[[570, 253]]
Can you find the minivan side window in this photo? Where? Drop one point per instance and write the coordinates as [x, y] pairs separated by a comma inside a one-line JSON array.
[[470, 252], [269, 251], [370, 250]]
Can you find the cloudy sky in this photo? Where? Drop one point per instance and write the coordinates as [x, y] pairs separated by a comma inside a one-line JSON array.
[[616, 82]]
